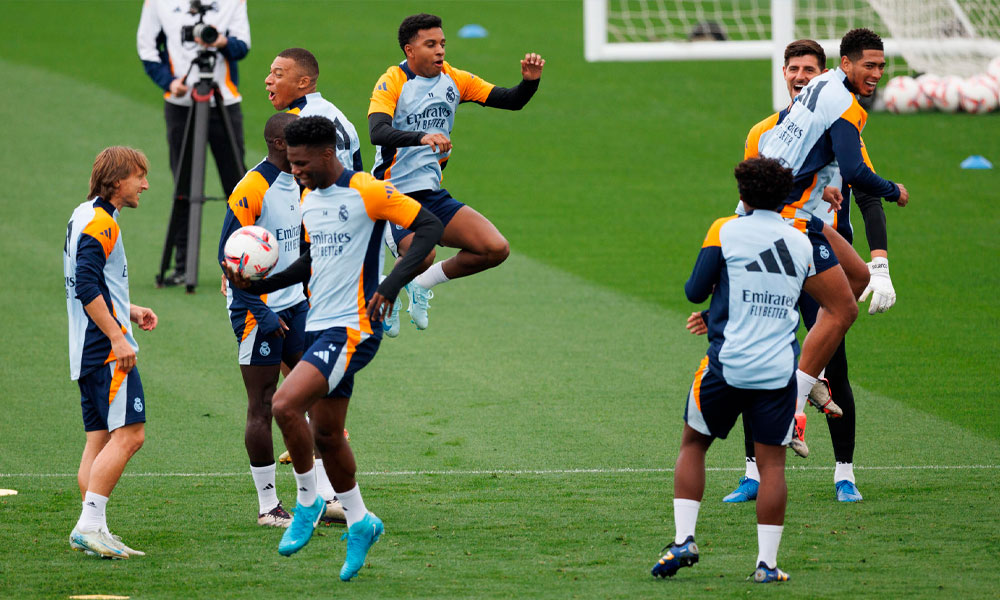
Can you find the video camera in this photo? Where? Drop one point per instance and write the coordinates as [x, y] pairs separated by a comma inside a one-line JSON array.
[[205, 32]]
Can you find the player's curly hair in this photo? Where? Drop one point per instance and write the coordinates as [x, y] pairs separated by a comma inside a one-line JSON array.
[[763, 182], [311, 131], [856, 41], [411, 25], [805, 47]]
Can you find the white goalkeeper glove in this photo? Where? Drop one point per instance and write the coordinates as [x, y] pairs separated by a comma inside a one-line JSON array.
[[879, 286]]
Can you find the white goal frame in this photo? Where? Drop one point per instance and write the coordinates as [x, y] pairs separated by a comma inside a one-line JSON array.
[[597, 48]]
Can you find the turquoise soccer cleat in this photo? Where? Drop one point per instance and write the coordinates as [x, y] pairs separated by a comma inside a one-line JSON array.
[[391, 325], [847, 491], [360, 538], [677, 556], [303, 524], [763, 574], [419, 303], [744, 492], [97, 543]]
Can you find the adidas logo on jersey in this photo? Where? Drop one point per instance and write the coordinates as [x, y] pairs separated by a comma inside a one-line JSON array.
[[107, 233], [382, 86], [771, 262]]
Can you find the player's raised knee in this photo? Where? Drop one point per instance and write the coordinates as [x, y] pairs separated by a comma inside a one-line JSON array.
[[497, 251]]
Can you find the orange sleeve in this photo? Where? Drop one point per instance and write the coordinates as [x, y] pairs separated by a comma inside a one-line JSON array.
[[247, 200], [104, 229], [712, 237], [855, 115], [383, 201], [864, 155], [751, 146], [386, 92], [305, 232], [470, 87]]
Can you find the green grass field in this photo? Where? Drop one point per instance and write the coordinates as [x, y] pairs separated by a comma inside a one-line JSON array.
[[521, 447]]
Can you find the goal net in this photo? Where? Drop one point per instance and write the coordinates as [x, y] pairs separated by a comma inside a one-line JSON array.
[[945, 37]]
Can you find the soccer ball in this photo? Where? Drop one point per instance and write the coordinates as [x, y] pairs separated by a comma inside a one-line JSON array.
[[902, 95], [252, 252], [947, 97], [928, 87], [977, 97]]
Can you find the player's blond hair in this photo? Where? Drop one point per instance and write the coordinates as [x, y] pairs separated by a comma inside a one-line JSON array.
[[112, 165]]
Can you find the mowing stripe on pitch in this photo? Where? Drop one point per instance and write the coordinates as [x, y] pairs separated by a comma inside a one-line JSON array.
[[539, 471]]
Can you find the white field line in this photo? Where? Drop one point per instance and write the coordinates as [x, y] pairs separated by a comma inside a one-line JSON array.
[[596, 471]]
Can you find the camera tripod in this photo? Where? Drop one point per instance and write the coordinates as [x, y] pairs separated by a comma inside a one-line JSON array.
[[189, 177]]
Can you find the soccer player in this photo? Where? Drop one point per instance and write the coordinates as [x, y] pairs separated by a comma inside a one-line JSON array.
[[291, 86], [754, 267], [410, 119], [804, 60], [102, 351], [819, 138], [344, 218]]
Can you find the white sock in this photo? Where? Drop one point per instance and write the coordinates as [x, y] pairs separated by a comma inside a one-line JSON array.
[[92, 516], [805, 384], [432, 276], [263, 480], [752, 472], [354, 505], [768, 540], [844, 471], [323, 486], [685, 518], [306, 484]]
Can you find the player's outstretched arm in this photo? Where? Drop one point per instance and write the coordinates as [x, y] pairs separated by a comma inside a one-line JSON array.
[[517, 97]]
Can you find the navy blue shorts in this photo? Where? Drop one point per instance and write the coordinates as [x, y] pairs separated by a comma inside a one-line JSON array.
[[111, 399], [438, 202], [823, 256], [713, 407], [339, 353], [257, 349]]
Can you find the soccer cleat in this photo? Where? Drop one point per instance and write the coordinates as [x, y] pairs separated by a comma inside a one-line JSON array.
[[390, 326], [303, 524], [847, 491], [97, 543], [360, 538], [677, 556], [334, 513], [419, 303], [821, 397], [798, 443], [763, 574], [744, 492], [129, 551], [285, 458], [276, 517]]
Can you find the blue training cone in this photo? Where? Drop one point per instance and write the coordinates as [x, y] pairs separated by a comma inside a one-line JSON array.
[[976, 162], [472, 31]]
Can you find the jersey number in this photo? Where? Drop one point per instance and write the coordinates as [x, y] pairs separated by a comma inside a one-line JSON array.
[[810, 96]]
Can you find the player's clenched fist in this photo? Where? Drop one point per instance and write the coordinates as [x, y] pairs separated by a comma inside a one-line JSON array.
[[531, 66]]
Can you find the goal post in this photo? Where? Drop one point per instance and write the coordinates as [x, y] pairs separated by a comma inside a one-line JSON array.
[[939, 36]]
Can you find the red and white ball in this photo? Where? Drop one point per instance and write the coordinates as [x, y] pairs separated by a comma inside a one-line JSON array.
[[947, 97], [902, 95], [252, 252], [977, 97], [928, 83]]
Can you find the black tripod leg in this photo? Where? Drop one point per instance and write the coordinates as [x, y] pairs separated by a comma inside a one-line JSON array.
[[182, 177], [235, 157], [196, 195]]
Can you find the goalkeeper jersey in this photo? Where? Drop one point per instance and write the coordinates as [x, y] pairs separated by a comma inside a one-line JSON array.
[[344, 225], [754, 268], [426, 105], [94, 266], [269, 198], [348, 143]]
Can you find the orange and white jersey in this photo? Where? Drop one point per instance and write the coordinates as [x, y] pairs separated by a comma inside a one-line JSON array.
[[344, 225], [94, 266], [165, 57], [423, 104]]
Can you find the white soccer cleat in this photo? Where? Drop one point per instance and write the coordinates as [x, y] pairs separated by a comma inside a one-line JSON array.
[[129, 551], [798, 443], [822, 399], [334, 513], [419, 303], [97, 543], [276, 517]]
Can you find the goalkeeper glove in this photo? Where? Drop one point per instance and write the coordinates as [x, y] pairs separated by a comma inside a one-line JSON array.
[[879, 286]]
